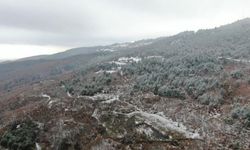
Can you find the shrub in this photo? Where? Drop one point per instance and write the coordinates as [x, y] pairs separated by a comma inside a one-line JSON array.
[[20, 137], [196, 86], [70, 90], [103, 79], [211, 99], [149, 82], [171, 92], [242, 113], [91, 90], [237, 74]]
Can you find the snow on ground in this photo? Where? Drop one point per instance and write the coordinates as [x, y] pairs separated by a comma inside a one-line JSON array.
[[38, 147], [157, 57], [236, 60], [145, 130], [106, 50], [124, 60], [99, 97], [132, 44], [120, 45], [46, 96], [111, 71], [51, 102], [115, 98], [139, 44], [18, 126], [159, 120], [95, 114], [108, 71], [68, 94], [120, 62], [164, 123], [129, 59]]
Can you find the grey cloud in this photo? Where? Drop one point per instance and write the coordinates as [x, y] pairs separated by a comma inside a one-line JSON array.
[[90, 22]]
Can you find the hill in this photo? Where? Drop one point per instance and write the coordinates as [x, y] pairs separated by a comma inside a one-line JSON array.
[[187, 91]]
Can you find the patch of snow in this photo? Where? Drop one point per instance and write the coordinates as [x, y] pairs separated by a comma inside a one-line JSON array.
[[111, 71], [145, 130], [104, 144], [120, 45], [236, 60], [129, 59], [106, 50], [95, 114], [38, 147], [124, 60], [115, 98], [118, 63], [216, 115], [46, 96], [107, 71], [132, 44], [163, 122], [100, 71], [157, 57], [195, 135], [140, 43], [50, 104], [98, 97], [39, 125], [68, 94], [18, 126]]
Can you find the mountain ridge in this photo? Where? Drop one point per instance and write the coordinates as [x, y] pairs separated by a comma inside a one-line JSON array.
[[85, 50]]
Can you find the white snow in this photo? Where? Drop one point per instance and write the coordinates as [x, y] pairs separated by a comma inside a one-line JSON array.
[[99, 97], [132, 44], [95, 114], [157, 57], [106, 50], [51, 102], [46, 96], [100, 71], [115, 98], [68, 94], [119, 45], [118, 63], [140, 43], [145, 130], [124, 60], [107, 71], [18, 126], [163, 122], [111, 71], [129, 59], [236, 60], [38, 147]]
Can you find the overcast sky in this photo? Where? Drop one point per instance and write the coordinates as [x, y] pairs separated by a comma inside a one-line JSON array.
[[32, 27]]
